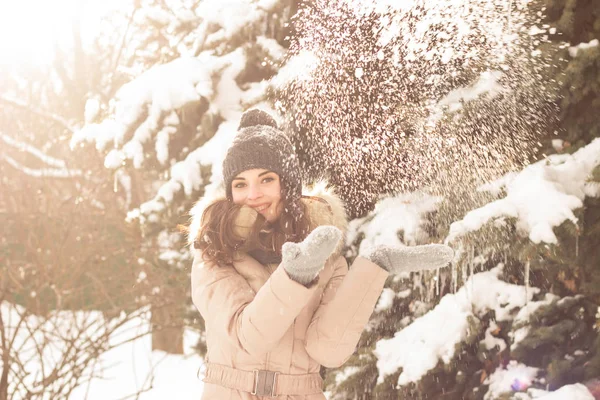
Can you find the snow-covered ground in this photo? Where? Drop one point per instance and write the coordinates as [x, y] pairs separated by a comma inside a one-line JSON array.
[[129, 368], [134, 367]]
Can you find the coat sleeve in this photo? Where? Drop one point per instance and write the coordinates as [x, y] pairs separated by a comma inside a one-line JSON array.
[[347, 304], [254, 323]]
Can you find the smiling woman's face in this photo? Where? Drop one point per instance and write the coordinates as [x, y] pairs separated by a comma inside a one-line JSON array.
[[259, 189]]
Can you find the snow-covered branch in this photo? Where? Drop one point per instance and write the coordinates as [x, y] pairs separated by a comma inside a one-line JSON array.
[[37, 111], [62, 173], [186, 175], [144, 106], [22, 146], [574, 50], [482, 293], [541, 197]]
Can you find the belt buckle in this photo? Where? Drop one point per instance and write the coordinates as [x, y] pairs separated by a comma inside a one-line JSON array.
[[264, 383]]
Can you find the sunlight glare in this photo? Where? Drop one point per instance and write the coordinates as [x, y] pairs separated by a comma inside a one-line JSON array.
[[30, 30]]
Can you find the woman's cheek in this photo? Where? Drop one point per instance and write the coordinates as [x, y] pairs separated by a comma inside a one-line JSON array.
[[278, 209]]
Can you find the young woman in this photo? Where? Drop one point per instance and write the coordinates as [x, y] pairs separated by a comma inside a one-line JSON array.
[[276, 295]]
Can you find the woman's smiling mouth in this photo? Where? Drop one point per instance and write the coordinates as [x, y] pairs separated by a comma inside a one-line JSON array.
[[261, 208]]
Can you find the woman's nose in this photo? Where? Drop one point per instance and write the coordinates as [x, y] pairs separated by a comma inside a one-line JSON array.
[[254, 192]]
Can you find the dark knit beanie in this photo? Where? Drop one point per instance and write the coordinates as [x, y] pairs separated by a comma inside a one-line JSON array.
[[260, 144]]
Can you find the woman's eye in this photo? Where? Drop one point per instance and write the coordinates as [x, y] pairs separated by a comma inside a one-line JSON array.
[[239, 185], [268, 179]]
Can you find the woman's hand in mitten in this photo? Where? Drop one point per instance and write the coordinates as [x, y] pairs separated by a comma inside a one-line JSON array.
[[398, 259], [303, 261]]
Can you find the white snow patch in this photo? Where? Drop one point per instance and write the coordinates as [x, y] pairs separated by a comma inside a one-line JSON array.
[[133, 366], [153, 94], [92, 108], [385, 300], [518, 335], [575, 391], [525, 313], [490, 342], [419, 347], [231, 16], [574, 50], [273, 48], [558, 144], [541, 196], [130, 367], [299, 67], [347, 372], [404, 213], [504, 380], [158, 15]]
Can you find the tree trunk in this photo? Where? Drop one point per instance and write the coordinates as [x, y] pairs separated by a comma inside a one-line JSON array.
[[167, 328]]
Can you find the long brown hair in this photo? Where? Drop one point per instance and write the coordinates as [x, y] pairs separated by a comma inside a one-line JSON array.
[[219, 242]]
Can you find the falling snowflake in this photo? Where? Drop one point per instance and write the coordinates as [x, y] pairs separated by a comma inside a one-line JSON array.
[[414, 94]]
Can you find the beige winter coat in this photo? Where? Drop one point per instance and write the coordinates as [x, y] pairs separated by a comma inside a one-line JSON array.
[[257, 318]]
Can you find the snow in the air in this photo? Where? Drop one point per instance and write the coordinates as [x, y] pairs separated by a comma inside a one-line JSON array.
[[540, 197]]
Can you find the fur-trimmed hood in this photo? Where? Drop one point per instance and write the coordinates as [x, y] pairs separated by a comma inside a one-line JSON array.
[[322, 203]]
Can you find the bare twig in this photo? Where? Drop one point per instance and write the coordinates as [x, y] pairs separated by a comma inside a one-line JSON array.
[[123, 40], [42, 113], [5, 360], [103, 290]]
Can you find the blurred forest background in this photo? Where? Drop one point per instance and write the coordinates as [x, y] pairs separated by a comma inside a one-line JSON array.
[[105, 146]]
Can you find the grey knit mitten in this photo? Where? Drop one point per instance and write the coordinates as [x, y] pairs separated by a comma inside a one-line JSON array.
[[397, 259], [303, 261]]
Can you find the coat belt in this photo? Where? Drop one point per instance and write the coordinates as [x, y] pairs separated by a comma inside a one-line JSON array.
[[263, 383]]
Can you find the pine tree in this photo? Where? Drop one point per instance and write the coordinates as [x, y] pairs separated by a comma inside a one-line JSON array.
[[564, 268], [165, 129]]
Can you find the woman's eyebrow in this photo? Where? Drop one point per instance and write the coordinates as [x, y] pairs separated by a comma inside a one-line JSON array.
[[264, 173], [239, 177]]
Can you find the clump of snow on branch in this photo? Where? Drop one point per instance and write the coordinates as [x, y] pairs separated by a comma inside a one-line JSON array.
[[490, 341], [520, 327], [576, 391], [574, 50], [150, 98], [186, 175], [143, 119], [420, 346], [231, 16], [503, 379], [345, 374], [541, 197], [404, 213], [167, 242], [385, 300]]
